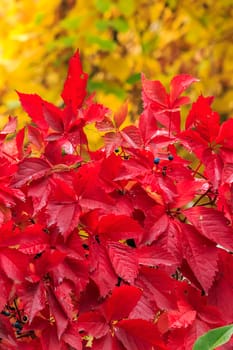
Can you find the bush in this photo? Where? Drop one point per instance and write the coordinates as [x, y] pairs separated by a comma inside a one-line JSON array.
[[121, 39], [121, 246]]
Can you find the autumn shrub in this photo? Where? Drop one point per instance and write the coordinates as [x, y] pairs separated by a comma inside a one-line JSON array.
[[126, 246], [118, 39]]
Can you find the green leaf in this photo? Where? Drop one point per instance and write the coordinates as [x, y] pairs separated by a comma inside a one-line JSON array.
[[71, 23], [39, 18], [103, 44], [134, 78], [120, 24], [107, 88], [172, 4], [127, 7], [96, 85], [103, 5], [66, 41], [102, 24], [214, 338]]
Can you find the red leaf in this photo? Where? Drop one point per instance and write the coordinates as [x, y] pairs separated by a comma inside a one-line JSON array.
[[63, 294], [156, 223], [213, 167], [101, 269], [181, 339], [169, 117], [35, 136], [93, 323], [179, 84], [211, 315], [146, 308], [53, 116], [193, 142], [96, 112], [166, 108], [5, 287], [212, 224], [106, 343], [203, 119], [227, 173], [178, 319], [147, 126], [72, 337], [58, 313], [32, 240], [63, 208], [121, 302], [10, 126], [112, 140], [124, 261], [8, 195], [33, 105], [64, 215], [8, 339], [64, 267], [20, 143], [170, 241], [49, 260], [40, 190], [157, 292], [154, 255], [187, 189], [13, 263], [33, 298], [74, 90], [191, 298], [139, 335], [30, 169], [116, 227], [221, 292], [7, 170], [225, 132], [201, 255], [131, 137], [105, 125], [49, 339], [121, 114], [131, 169], [154, 91]]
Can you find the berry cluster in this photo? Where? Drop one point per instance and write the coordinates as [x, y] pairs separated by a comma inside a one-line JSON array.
[[18, 320]]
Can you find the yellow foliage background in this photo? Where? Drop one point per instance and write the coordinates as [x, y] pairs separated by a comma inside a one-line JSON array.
[[118, 40]]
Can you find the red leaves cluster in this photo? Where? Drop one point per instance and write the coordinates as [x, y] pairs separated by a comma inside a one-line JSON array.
[[128, 247]]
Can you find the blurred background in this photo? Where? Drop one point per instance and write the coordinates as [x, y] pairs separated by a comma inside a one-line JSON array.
[[118, 40]]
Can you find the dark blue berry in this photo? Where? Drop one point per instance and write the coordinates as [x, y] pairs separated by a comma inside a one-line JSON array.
[[24, 319], [17, 325], [117, 150], [170, 157], [156, 160], [6, 313]]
